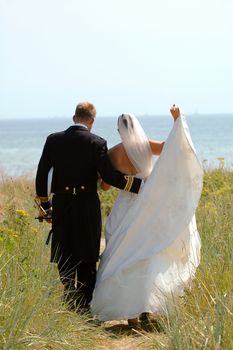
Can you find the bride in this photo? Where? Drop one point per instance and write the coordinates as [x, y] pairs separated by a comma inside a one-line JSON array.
[[152, 243]]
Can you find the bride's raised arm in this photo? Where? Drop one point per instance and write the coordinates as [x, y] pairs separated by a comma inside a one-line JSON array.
[[119, 157], [157, 146], [175, 112]]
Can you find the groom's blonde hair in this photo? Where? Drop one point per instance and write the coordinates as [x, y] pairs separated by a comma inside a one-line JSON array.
[[85, 110]]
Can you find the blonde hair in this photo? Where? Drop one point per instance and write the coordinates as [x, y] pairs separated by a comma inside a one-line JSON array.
[[85, 110]]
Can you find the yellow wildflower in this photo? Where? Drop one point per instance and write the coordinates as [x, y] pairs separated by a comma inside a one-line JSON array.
[[22, 213]]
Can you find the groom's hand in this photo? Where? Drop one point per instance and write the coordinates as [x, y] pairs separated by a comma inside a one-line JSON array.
[[45, 209], [45, 215]]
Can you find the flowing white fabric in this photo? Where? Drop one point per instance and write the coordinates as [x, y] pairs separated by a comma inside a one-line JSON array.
[[153, 246], [136, 144]]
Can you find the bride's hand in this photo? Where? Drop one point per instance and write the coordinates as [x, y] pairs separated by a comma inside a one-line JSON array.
[[175, 112], [104, 186]]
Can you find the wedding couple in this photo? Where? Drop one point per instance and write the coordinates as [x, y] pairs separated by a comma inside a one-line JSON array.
[[152, 244]]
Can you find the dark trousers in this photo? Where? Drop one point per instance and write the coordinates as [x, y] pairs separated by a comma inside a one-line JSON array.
[[78, 279]]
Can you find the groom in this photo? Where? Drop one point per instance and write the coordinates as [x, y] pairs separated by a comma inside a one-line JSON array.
[[77, 157]]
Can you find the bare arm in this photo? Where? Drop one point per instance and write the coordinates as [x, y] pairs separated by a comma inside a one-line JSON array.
[[175, 112], [104, 186], [117, 153], [156, 147]]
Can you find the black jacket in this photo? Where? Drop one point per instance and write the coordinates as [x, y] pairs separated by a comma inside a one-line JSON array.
[[78, 157]]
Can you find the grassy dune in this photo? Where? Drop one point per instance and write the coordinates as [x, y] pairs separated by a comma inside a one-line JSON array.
[[31, 314]]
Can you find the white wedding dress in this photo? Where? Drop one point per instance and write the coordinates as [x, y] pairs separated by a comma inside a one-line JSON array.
[[153, 246]]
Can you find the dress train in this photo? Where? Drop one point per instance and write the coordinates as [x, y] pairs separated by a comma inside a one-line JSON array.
[[153, 246]]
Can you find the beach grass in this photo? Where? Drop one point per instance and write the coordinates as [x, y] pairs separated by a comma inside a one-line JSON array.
[[33, 317]]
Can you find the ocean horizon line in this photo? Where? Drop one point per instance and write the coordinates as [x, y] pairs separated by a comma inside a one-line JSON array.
[[22, 140], [144, 115]]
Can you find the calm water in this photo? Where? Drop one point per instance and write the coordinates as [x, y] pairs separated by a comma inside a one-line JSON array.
[[21, 141]]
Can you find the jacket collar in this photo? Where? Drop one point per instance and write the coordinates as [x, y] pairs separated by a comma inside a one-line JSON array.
[[77, 127], [81, 124]]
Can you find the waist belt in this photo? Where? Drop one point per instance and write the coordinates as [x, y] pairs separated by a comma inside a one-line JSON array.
[[76, 189]]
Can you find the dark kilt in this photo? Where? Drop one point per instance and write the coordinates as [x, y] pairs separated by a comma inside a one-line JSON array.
[[76, 227]]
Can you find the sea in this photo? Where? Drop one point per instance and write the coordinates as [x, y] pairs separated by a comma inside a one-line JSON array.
[[22, 140]]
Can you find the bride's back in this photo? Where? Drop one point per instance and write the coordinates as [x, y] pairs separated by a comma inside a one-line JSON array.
[[120, 160], [139, 149]]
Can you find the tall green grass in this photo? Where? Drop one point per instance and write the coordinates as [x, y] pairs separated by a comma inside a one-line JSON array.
[[31, 313], [203, 319]]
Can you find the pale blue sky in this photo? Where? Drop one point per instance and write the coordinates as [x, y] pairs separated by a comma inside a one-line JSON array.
[[123, 55]]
